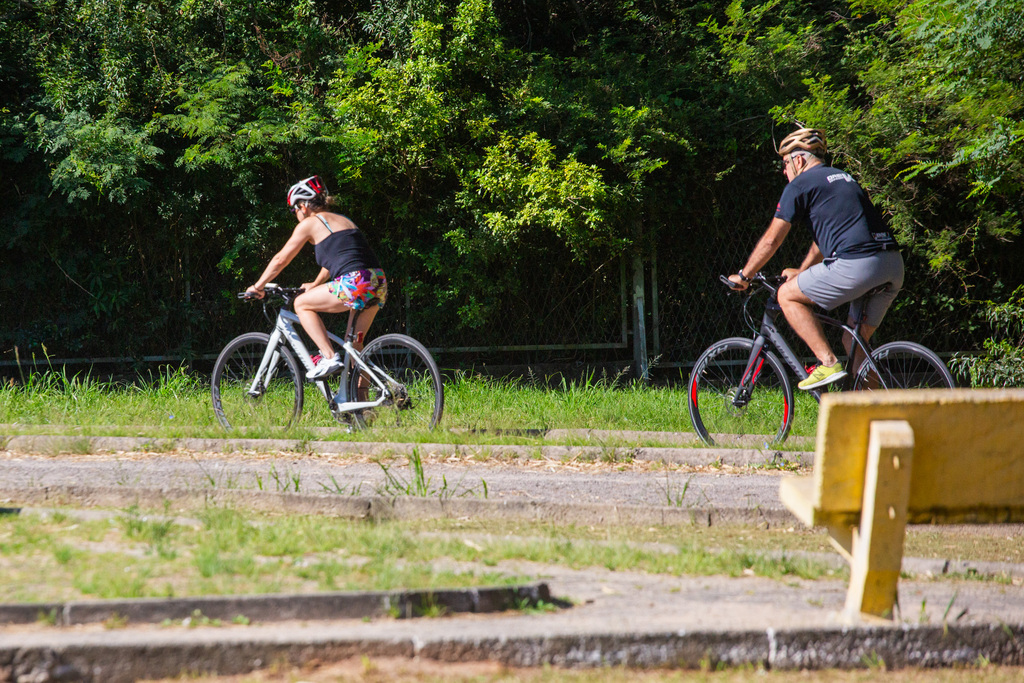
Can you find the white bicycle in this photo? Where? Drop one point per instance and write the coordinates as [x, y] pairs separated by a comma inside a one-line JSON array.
[[259, 379]]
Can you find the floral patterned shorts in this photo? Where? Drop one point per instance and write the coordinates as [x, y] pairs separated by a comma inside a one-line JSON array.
[[359, 286]]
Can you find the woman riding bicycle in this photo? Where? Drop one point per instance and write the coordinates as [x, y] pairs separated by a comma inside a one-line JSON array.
[[350, 274]]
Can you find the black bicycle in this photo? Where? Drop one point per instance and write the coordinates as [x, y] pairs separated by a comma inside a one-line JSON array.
[[739, 387]]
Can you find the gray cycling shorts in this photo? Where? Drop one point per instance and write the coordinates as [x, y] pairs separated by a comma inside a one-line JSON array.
[[831, 284]]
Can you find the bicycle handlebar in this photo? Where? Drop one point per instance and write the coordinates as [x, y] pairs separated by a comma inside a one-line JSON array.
[[729, 283], [770, 283], [286, 293]]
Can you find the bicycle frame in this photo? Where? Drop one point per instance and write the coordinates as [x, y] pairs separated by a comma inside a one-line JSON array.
[[285, 332], [743, 385], [769, 333]]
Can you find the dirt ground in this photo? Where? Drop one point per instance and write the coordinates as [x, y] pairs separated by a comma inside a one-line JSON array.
[[399, 670]]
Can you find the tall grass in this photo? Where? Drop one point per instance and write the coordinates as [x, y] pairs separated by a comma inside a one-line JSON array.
[[174, 397], [176, 402], [592, 402]]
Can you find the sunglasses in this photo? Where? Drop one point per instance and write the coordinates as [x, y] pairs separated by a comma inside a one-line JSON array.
[[789, 159]]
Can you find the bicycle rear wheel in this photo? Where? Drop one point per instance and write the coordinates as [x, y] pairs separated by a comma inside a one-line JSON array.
[[273, 402], [729, 404], [904, 365], [414, 394]]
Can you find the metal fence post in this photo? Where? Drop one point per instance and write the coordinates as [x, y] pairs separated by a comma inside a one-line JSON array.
[[408, 321], [639, 325], [624, 297], [655, 322]]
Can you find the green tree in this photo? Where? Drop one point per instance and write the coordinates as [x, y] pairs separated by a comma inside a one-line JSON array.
[[923, 101], [502, 157]]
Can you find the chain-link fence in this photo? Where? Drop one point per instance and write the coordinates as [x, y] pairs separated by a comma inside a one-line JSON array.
[[561, 308], [695, 309], [685, 306]]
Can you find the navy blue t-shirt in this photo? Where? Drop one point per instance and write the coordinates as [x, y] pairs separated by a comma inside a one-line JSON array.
[[843, 220]]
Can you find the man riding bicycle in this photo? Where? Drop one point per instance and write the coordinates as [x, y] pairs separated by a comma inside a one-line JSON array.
[[853, 251]]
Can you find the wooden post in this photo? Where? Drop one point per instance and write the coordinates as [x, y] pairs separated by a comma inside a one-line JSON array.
[[877, 544]]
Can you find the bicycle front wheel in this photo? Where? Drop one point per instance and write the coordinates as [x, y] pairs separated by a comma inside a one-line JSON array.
[[413, 394], [729, 403], [904, 365], [242, 400]]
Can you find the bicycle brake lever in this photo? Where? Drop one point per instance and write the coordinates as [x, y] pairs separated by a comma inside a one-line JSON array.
[[730, 284]]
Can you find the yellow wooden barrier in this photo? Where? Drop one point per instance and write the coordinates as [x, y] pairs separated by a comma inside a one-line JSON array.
[[886, 459]]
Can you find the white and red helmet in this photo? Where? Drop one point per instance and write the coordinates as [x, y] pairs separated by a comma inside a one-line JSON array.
[[305, 190]]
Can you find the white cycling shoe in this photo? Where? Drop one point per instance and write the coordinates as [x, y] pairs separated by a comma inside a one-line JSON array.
[[326, 367]]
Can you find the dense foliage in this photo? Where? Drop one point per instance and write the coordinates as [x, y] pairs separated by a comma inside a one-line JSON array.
[[146, 147]]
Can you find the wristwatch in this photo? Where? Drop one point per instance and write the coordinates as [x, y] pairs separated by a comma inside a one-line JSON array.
[[743, 277]]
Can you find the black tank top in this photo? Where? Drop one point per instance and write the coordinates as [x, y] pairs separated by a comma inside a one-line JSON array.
[[344, 251]]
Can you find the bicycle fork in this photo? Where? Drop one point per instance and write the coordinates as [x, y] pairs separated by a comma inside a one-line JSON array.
[[268, 365], [750, 374], [769, 336]]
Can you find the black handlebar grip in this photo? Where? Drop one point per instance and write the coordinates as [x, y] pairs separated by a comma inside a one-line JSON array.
[[730, 284]]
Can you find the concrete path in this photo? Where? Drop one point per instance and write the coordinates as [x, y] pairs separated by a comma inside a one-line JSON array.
[[620, 618], [538, 481]]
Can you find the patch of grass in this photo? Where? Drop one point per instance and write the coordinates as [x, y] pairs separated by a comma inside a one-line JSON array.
[[197, 619], [675, 493], [428, 607], [63, 554], [528, 606], [228, 552], [593, 402], [56, 396], [778, 461], [115, 621], [156, 533], [340, 489], [422, 486], [285, 481], [47, 618], [100, 578], [480, 410], [995, 543], [130, 554]]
